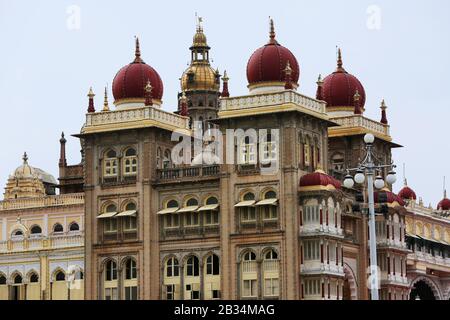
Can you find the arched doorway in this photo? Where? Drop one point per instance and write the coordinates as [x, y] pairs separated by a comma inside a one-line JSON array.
[[349, 289], [424, 289]]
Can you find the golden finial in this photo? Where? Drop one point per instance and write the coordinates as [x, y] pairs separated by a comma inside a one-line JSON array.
[[319, 80], [356, 96], [91, 94], [137, 52], [225, 76], [272, 31], [339, 59], [105, 103]]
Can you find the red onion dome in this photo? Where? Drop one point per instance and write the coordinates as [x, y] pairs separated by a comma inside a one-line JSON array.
[[444, 204], [339, 88], [267, 64], [319, 179], [386, 196], [407, 193], [130, 81]]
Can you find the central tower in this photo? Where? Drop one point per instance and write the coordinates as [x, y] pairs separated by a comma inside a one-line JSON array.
[[200, 82]]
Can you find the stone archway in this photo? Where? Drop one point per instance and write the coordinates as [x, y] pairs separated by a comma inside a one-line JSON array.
[[424, 288], [350, 284]]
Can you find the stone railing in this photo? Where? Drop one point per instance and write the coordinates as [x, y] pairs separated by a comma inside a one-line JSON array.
[[144, 113], [315, 266], [361, 121], [249, 266], [188, 172], [429, 258], [58, 200], [44, 243], [272, 99]]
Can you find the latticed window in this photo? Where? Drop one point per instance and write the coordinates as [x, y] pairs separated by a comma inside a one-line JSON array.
[[110, 164], [110, 224], [269, 149], [271, 287], [270, 211], [130, 162], [248, 213], [130, 222], [211, 217], [250, 288], [306, 154], [172, 267], [247, 151], [312, 250]]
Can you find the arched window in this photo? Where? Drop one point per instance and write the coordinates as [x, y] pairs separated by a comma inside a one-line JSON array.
[[249, 256], [337, 162], [130, 162], [18, 279], [2, 280], [192, 267], [172, 267], [191, 218], [111, 271], [17, 233], [110, 164], [247, 151], [34, 278], [212, 265], [130, 269], [74, 227], [270, 255], [130, 221], [110, 224], [58, 228], [172, 220], [211, 214], [36, 230], [158, 158], [269, 208], [248, 212], [60, 276], [166, 160]]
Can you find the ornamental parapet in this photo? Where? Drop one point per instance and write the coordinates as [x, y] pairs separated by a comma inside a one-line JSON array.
[[358, 124], [429, 259], [148, 116], [317, 267], [48, 201], [287, 100]]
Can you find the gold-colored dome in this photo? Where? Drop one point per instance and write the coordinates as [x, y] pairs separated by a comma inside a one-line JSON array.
[[200, 77], [199, 39]]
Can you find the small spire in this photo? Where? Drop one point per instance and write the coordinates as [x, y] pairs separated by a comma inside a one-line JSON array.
[[63, 139], [356, 100], [105, 102], [62, 151], [319, 92], [137, 52], [148, 93], [445, 191], [91, 96], [272, 33], [383, 108], [183, 105], [404, 176], [339, 61], [225, 93], [25, 158], [199, 23], [288, 76]]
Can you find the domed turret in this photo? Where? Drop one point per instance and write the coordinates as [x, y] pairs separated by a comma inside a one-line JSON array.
[[444, 204], [339, 89], [406, 193], [266, 67], [129, 83], [318, 180]]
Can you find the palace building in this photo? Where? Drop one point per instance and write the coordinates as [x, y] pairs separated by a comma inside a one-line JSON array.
[[41, 237], [251, 208]]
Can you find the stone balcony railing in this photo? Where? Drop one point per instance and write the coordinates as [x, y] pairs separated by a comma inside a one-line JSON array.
[[429, 258], [137, 114], [383, 242], [316, 228], [317, 267], [188, 173], [272, 99], [352, 121], [58, 200], [44, 243]]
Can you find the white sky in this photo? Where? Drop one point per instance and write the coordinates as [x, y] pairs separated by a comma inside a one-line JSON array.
[[46, 67]]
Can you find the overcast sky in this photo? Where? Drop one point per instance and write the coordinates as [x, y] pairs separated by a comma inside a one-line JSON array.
[[53, 51]]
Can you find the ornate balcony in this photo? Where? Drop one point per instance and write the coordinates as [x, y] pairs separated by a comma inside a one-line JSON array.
[[59, 200], [359, 125], [43, 243], [188, 173], [316, 267]]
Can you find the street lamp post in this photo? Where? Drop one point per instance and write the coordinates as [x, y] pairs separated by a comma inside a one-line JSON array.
[[368, 168]]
